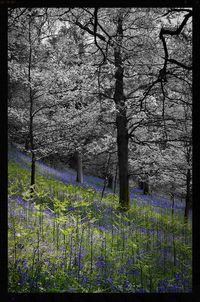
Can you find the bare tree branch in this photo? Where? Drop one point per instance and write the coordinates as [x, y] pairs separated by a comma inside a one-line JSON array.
[[176, 10], [173, 32], [179, 64]]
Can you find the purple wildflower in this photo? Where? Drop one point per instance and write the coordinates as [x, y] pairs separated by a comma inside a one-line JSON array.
[[24, 278], [100, 264], [84, 281]]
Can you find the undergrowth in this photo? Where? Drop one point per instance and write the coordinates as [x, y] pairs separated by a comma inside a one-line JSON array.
[[64, 238]]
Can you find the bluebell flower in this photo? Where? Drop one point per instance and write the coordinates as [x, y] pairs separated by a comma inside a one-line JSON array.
[[84, 281], [100, 263], [25, 264], [90, 242], [53, 285], [124, 236], [20, 201], [24, 279], [31, 283], [101, 228], [71, 208], [109, 280], [135, 272], [81, 255], [161, 289], [48, 212], [98, 281], [126, 284], [62, 248], [81, 265]]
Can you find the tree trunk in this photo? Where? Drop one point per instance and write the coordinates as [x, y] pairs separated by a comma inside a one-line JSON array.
[[172, 199], [79, 177], [106, 175], [121, 122], [115, 180], [141, 185], [32, 169], [110, 181], [122, 143], [104, 187], [31, 138], [188, 196], [146, 187]]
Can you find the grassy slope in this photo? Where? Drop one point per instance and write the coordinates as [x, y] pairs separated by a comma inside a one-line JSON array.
[[68, 176], [66, 239]]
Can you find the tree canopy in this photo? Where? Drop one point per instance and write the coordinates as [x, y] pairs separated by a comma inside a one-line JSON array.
[[105, 82]]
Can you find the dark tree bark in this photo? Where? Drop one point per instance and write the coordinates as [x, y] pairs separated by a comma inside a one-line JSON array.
[[33, 159], [32, 149], [122, 143], [188, 196], [31, 137], [110, 181], [146, 188], [33, 169], [141, 185], [121, 122], [104, 187], [79, 104], [121, 119], [172, 199], [146, 185], [188, 185], [115, 180], [79, 177], [106, 175]]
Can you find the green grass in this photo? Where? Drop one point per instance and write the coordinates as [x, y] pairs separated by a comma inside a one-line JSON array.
[[66, 239]]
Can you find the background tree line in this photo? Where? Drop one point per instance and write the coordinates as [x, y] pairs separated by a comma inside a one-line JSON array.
[[110, 88]]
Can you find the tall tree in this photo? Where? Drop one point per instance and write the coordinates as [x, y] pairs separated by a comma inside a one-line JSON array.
[[120, 66], [121, 118], [29, 78]]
